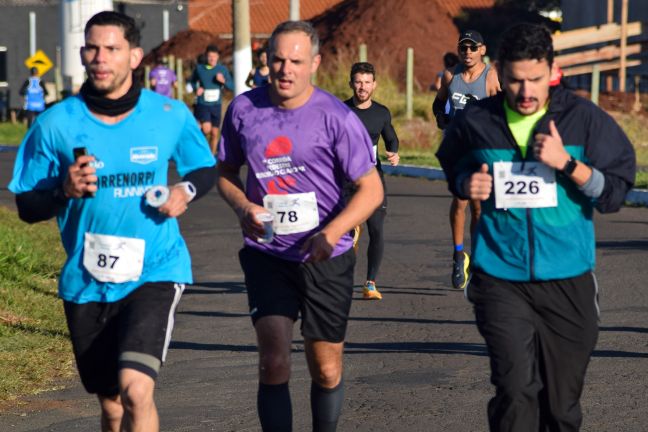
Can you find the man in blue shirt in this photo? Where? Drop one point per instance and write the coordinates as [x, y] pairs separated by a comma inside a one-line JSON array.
[[208, 80], [90, 161], [34, 93]]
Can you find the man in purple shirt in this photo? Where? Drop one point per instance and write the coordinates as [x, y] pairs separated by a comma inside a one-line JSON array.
[[301, 145], [162, 79]]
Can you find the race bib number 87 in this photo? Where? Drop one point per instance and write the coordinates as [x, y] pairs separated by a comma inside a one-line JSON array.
[[113, 259], [524, 185]]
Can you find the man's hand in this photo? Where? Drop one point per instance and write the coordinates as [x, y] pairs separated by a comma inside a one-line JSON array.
[[177, 203], [393, 158], [479, 185], [200, 91], [549, 149], [249, 223], [220, 78], [81, 178], [319, 247]]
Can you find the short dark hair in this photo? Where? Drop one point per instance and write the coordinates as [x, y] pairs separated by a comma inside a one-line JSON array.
[[362, 68], [292, 27], [450, 59], [126, 23], [33, 71], [526, 41], [212, 48]]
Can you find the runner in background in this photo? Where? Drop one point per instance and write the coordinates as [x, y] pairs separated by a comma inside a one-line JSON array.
[[470, 80], [260, 75], [208, 80], [33, 92], [450, 60], [377, 119], [163, 80]]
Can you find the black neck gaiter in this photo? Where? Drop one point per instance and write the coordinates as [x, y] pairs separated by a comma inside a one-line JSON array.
[[97, 102]]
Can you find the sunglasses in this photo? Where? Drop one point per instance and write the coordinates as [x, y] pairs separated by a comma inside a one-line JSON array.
[[465, 48]]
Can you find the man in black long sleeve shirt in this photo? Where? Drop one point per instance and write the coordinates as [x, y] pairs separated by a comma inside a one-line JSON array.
[[377, 119]]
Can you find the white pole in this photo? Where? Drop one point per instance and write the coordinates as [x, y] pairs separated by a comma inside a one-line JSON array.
[[242, 48], [32, 33], [165, 25], [294, 10]]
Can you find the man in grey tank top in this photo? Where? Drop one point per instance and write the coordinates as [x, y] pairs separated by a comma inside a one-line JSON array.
[[471, 79]]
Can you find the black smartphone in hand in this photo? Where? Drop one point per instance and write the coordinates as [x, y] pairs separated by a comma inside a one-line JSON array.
[[78, 152]]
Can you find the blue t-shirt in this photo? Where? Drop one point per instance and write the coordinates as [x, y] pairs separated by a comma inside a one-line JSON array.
[[131, 156]]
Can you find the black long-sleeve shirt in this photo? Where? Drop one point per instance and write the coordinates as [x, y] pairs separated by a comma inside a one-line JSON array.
[[377, 120]]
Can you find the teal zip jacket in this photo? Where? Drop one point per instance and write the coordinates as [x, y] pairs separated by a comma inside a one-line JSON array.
[[205, 77], [539, 244]]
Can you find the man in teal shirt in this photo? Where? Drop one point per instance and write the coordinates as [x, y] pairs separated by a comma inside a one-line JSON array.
[[208, 81]]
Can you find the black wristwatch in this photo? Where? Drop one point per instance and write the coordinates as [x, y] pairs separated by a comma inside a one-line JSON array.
[[570, 166]]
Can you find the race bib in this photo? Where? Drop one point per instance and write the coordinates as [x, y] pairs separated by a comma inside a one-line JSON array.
[[211, 95], [113, 259], [293, 213], [524, 185]]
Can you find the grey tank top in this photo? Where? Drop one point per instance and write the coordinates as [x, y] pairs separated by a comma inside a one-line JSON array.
[[460, 92]]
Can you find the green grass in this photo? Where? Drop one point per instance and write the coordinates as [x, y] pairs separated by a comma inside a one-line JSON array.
[[34, 345], [12, 134]]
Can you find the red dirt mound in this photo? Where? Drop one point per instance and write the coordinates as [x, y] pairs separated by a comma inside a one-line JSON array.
[[188, 45], [389, 28]]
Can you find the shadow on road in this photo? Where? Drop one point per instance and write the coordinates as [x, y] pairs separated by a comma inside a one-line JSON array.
[[619, 354], [623, 244], [411, 320], [416, 347], [625, 329], [216, 288], [214, 314]]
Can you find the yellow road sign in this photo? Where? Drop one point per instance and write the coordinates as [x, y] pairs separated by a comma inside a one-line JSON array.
[[40, 61]]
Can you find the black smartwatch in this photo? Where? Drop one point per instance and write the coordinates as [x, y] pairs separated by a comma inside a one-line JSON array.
[[570, 166]]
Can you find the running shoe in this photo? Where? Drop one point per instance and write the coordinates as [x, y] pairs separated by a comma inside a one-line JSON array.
[[356, 237], [460, 271], [369, 291]]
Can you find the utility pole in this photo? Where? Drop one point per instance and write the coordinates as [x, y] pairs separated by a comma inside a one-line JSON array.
[[624, 45], [294, 10], [242, 48], [32, 33], [610, 20]]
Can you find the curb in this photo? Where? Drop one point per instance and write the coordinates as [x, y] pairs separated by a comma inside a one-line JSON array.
[[637, 197]]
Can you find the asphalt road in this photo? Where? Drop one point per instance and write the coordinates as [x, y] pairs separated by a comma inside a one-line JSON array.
[[414, 361]]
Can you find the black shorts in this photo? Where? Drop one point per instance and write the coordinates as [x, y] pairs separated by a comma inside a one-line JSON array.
[[321, 291], [208, 113], [131, 333]]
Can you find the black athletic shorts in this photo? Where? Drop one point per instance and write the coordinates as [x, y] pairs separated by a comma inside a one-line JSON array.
[[321, 292], [208, 113], [131, 333]]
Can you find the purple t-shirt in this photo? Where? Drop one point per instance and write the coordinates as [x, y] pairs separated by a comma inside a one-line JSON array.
[[164, 80], [317, 147]]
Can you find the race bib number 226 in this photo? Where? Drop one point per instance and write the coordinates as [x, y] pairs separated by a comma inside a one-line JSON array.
[[524, 185]]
